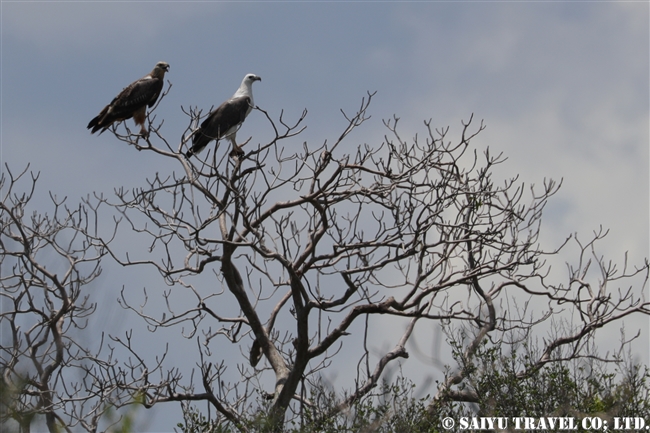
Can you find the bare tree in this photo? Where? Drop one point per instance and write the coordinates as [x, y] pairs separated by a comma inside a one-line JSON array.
[[47, 267], [288, 253]]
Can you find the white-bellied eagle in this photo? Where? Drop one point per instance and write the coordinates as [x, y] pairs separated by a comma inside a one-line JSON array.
[[225, 121], [132, 101]]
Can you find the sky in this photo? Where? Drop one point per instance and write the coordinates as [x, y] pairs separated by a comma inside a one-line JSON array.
[[562, 86]]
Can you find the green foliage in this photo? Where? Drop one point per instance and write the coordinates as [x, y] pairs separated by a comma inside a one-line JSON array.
[[558, 389], [13, 413], [194, 421], [124, 422], [507, 387]]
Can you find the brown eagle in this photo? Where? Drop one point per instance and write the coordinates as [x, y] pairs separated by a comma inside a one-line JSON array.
[[132, 101]]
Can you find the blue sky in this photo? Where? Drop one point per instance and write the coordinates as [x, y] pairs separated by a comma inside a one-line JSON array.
[[562, 87]]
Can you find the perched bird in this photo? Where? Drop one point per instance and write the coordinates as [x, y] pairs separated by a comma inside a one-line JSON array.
[[226, 119], [132, 101]]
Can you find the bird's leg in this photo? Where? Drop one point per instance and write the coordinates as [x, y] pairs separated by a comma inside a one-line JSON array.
[[140, 118], [236, 151]]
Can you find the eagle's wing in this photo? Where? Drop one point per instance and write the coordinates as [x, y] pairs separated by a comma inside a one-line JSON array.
[[128, 102], [143, 92]]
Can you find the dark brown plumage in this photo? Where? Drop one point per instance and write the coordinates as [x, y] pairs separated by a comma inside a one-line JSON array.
[[132, 101]]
